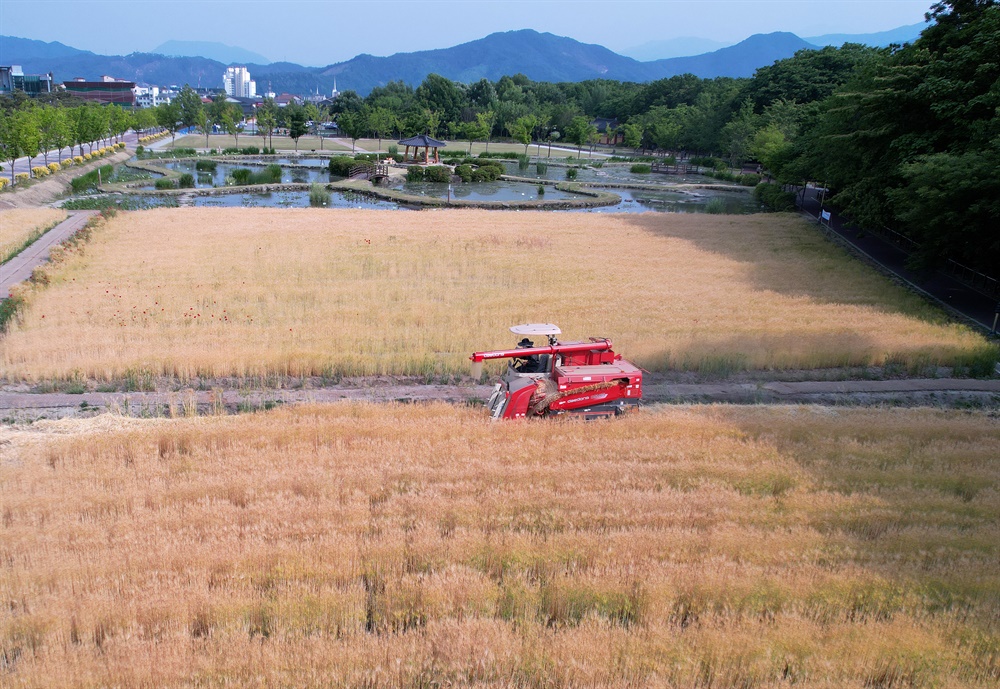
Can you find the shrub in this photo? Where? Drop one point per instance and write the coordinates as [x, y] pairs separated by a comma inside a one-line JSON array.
[[341, 166], [773, 197], [641, 169], [523, 161], [91, 179], [464, 171], [715, 207], [66, 163], [393, 150], [139, 149], [571, 173], [165, 183], [4, 182], [205, 166], [54, 167], [21, 177], [541, 167], [87, 156], [541, 190], [319, 196], [186, 181], [749, 180], [241, 176], [414, 173], [39, 171], [437, 173], [78, 160]]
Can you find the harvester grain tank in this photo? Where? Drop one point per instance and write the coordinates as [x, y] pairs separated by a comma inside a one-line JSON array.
[[582, 378]]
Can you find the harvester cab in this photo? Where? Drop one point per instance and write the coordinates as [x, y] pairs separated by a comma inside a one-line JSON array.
[[582, 378]]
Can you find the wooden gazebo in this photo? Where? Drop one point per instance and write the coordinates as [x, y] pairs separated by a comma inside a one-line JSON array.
[[425, 142]]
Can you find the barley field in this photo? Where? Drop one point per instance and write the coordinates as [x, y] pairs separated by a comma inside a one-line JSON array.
[[189, 293], [18, 226], [419, 546]]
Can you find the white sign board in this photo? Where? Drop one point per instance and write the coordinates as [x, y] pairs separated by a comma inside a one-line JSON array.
[[825, 215]]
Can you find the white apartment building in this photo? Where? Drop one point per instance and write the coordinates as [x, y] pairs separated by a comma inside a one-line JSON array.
[[149, 96], [238, 83]]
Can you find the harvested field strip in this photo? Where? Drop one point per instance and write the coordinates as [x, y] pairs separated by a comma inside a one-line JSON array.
[[254, 292], [20, 227], [421, 546]]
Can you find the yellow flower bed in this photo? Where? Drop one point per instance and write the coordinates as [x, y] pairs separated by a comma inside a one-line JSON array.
[[78, 160], [66, 163], [21, 177], [4, 182], [39, 171], [54, 167]]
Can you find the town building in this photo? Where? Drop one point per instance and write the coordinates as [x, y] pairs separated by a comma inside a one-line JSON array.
[[147, 96], [107, 90], [13, 78], [238, 83]]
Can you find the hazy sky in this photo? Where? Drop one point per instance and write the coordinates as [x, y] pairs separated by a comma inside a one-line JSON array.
[[321, 32]]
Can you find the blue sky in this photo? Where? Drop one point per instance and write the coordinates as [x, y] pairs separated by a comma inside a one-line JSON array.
[[321, 32]]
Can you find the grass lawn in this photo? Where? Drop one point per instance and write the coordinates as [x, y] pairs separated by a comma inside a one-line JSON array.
[[307, 143], [255, 292], [354, 545], [20, 227]]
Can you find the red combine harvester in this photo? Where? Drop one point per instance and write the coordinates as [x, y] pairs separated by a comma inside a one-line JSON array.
[[583, 378]]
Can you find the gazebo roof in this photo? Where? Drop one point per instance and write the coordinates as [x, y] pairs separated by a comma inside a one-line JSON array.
[[422, 140]]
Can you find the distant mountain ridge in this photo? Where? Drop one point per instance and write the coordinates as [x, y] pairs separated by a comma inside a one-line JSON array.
[[220, 52], [539, 56]]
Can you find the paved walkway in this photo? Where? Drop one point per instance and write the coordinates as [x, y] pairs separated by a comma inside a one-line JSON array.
[[19, 268]]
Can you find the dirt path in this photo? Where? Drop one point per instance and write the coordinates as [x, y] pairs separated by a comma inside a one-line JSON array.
[[19, 268], [946, 392]]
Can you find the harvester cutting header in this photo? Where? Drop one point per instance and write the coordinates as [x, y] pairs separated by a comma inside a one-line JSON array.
[[583, 378]]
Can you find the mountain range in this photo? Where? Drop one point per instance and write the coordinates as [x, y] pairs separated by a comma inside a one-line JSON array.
[[539, 56]]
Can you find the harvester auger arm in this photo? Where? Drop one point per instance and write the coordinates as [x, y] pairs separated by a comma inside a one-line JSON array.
[[596, 344]]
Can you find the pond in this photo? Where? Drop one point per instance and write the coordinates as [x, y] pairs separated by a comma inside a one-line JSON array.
[[487, 191], [705, 201], [618, 174], [207, 180], [291, 199]]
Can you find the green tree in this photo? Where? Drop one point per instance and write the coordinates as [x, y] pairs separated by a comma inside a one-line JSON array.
[[382, 122], [354, 125], [474, 131], [295, 116], [143, 120], [168, 116], [204, 124], [267, 120], [632, 135], [580, 132], [52, 129], [11, 137], [232, 123], [484, 123], [441, 95], [118, 121], [190, 105], [738, 134], [522, 129]]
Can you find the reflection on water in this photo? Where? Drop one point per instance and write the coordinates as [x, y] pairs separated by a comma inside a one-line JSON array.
[[487, 191], [291, 199]]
